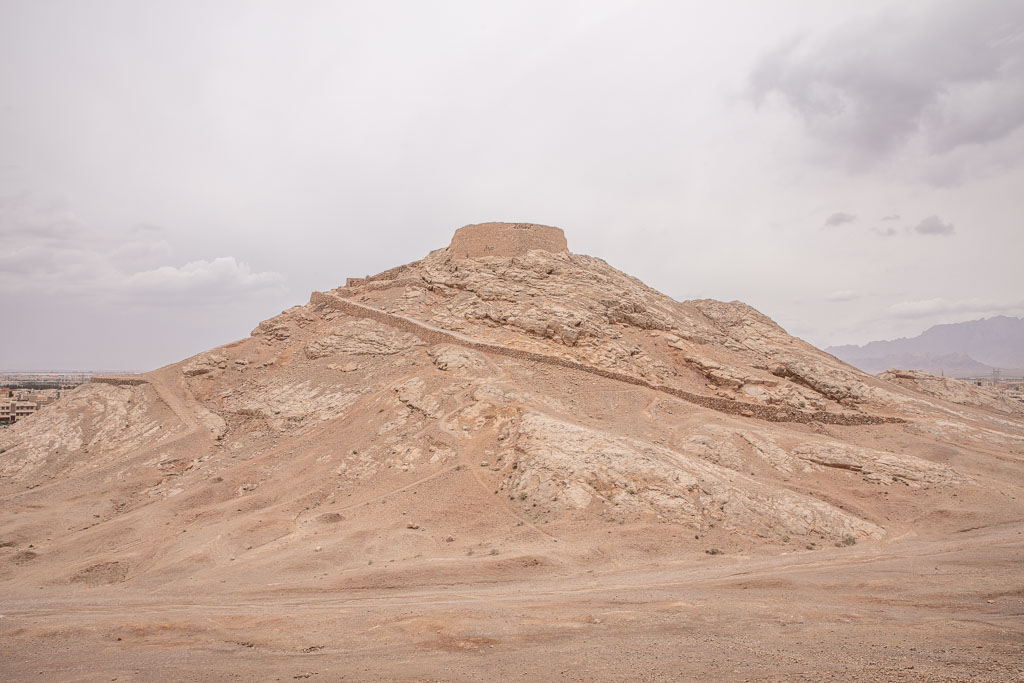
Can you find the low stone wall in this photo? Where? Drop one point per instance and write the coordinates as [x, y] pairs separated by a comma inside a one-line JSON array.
[[388, 276], [374, 285], [119, 380], [434, 335]]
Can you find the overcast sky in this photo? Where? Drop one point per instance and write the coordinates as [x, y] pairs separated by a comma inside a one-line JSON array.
[[173, 173]]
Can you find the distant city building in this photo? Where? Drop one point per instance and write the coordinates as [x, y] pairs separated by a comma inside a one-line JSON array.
[[18, 403], [12, 410], [24, 393]]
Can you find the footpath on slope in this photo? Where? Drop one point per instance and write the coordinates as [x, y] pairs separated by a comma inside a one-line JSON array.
[[158, 382], [436, 335]]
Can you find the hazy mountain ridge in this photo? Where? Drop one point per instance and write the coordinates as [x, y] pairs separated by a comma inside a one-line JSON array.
[[969, 348]]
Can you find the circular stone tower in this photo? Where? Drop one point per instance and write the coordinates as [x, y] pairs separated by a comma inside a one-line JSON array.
[[505, 239]]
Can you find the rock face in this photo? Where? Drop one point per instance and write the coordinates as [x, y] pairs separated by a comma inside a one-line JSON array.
[[635, 477], [503, 392], [505, 239]]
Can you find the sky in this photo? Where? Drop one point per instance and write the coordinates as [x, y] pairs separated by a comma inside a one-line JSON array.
[[173, 173]]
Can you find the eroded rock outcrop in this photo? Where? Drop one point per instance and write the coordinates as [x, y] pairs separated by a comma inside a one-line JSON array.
[[562, 464], [954, 390]]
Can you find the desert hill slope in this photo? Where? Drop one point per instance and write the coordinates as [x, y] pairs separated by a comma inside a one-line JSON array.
[[501, 410]]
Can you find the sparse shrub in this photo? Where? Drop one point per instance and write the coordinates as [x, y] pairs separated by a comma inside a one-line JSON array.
[[522, 495], [847, 540], [713, 551], [494, 551]]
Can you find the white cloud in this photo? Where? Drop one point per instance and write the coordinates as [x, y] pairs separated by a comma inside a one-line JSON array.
[[844, 295], [198, 280], [140, 250], [942, 306]]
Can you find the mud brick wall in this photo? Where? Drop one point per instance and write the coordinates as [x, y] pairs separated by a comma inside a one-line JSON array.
[[505, 239]]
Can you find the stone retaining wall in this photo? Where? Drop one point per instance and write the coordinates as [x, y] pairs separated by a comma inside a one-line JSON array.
[[390, 274], [119, 380], [435, 335], [365, 285]]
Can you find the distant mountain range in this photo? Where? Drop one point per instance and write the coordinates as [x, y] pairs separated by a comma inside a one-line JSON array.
[[956, 350]]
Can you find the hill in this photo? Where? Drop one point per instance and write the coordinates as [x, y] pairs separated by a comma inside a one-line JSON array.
[[958, 349], [494, 459]]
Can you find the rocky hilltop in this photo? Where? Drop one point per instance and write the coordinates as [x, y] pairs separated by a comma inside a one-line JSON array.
[[501, 408]]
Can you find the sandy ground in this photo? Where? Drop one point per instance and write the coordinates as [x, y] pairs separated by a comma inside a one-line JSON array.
[[948, 609]]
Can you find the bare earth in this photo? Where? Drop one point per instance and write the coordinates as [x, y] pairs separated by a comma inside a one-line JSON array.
[[514, 462]]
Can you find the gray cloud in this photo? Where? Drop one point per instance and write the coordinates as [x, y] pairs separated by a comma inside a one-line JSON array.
[[948, 77], [891, 217], [840, 218], [50, 250], [886, 232], [22, 220], [932, 225]]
